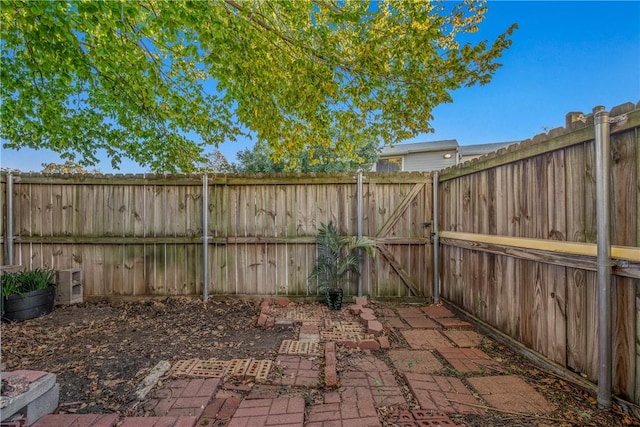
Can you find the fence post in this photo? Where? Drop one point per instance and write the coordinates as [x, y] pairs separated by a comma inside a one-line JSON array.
[[9, 224], [603, 160], [205, 237], [436, 243], [359, 229]]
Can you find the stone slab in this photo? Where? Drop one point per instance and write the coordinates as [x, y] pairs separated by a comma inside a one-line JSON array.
[[453, 322], [446, 394], [464, 338], [395, 323], [406, 312], [511, 393], [421, 322], [469, 360], [416, 361], [437, 311], [425, 339]]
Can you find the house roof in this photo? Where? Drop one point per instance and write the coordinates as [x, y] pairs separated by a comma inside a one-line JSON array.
[[420, 147], [444, 145], [474, 150]]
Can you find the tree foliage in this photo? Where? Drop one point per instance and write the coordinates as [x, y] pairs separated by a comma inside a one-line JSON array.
[[67, 167], [157, 81], [262, 159]]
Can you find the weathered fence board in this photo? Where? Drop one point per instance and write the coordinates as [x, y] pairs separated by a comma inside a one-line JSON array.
[[143, 235], [519, 210]]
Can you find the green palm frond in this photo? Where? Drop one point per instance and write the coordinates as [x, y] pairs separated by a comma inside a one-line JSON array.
[[336, 256]]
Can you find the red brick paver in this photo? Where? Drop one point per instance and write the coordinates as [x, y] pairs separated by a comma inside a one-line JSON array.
[[464, 338], [437, 311], [511, 393], [417, 361], [425, 339], [445, 394], [468, 359], [353, 407], [371, 373], [31, 376], [186, 398], [421, 322], [77, 420], [395, 323], [453, 322], [159, 422], [402, 417], [281, 411], [406, 312], [296, 371]]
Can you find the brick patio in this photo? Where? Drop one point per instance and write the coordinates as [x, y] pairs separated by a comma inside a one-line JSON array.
[[354, 387]]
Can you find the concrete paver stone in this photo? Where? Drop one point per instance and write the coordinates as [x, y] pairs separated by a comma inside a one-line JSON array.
[[453, 322], [394, 323], [437, 311], [511, 393], [447, 394], [425, 339], [467, 360], [421, 322], [416, 361], [464, 338]]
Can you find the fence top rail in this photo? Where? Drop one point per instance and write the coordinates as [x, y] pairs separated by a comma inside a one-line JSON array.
[[579, 129], [216, 179]]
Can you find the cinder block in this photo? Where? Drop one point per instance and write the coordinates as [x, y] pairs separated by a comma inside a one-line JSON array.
[[69, 286], [37, 389], [43, 405]]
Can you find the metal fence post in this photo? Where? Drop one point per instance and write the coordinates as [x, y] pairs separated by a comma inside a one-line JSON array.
[[9, 224], [436, 243], [603, 160], [205, 237], [359, 229]]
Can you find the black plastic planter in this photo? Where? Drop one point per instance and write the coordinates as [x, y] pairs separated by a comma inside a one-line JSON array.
[[30, 305], [334, 299]]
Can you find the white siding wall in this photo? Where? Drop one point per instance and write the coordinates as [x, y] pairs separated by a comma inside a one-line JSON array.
[[430, 161]]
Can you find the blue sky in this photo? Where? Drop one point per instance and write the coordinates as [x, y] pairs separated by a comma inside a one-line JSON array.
[[566, 56]]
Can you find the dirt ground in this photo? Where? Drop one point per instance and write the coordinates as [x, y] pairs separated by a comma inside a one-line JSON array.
[[101, 352]]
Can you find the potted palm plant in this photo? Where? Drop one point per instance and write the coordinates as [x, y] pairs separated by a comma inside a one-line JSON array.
[[336, 256], [27, 294]]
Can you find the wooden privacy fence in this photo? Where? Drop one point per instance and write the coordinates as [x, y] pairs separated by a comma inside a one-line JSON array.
[[518, 234], [143, 235]]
